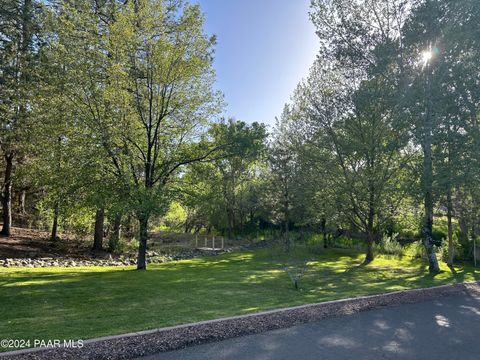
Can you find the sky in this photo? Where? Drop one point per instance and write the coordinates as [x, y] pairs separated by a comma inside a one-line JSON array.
[[264, 48]]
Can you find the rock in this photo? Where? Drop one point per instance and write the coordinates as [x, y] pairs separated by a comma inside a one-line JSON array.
[[128, 259]]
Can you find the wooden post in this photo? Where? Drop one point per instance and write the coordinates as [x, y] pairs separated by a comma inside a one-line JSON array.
[[213, 243], [196, 240], [222, 242], [205, 241]]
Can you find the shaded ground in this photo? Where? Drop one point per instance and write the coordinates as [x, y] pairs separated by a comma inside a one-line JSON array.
[[31, 243], [447, 328], [82, 303]]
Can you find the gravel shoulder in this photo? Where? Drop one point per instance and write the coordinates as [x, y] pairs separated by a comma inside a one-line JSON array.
[[150, 342], [436, 329]]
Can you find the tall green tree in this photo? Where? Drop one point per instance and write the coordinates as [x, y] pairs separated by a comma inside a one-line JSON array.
[[370, 39], [140, 81], [161, 79], [359, 141], [19, 46], [440, 62], [71, 164], [284, 170], [245, 145]]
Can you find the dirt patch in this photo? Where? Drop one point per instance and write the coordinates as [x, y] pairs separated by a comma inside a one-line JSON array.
[[33, 248], [31, 243]]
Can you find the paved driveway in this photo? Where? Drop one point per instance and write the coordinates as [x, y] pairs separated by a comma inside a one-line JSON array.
[[448, 328]]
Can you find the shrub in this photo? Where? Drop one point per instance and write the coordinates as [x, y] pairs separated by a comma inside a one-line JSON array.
[[390, 246], [295, 272], [344, 242], [415, 250], [438, 237]]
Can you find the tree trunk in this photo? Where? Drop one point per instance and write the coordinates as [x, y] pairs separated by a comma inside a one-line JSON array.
[[369, 256], [451, 250], [460, 211], [428, 244], [115, 236], [21, 202], [228, 190], [128, 231], [370, 225], [323, 226], [231, 223], [142, 248], [7, 196], [286, 215], [54, 236], [428, 179], [98, 234], [287, 236], [427, 234]]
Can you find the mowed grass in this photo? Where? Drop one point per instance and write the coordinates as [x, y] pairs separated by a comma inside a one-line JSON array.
[[82, 303]]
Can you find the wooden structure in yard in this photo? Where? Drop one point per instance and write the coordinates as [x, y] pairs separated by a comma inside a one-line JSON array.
[[213, 241]]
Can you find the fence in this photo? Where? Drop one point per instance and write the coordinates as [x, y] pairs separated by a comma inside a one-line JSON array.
[[206, 241]]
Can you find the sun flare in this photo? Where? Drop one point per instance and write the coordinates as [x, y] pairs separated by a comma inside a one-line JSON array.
[[427, 56]]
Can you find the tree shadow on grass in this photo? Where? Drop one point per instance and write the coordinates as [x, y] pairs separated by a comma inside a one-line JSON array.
[[105, 301], [452, 269], [355, 268]]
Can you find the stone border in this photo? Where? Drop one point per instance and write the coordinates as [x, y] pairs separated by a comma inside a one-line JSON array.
[[123, 260], [137, 344]]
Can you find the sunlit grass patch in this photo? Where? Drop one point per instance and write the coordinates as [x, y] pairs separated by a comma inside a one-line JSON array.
[[81, 303]]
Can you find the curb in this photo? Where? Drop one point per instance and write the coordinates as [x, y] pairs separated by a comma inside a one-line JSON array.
[[148, 342]]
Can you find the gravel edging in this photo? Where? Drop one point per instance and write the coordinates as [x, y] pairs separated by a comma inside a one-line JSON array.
[[137, 344]]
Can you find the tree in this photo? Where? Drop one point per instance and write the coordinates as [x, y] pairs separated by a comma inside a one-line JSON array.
[[283, 164], [244, 147], [353, 134], [19, 46], [460, 104], [70, 164], [440, 65], [160, 77], [370, 38], [139, 79]]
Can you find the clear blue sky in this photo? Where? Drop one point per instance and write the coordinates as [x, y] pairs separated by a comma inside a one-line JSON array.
[[264, 49]]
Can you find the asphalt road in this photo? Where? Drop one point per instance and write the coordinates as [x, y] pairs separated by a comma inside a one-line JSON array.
[[447, 328]]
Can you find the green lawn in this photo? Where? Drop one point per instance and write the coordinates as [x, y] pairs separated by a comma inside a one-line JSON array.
[[81, 303]]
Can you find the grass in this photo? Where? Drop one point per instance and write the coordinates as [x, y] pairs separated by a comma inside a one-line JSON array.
[[82, 303]]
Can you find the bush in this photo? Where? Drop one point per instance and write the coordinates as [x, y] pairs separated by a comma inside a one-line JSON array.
[[295, 272], [128, 246], [463, 246], [344, 242], [442, 252], [408, 236], [390, 246], [438, 237], [415, 250], [174, 219]]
